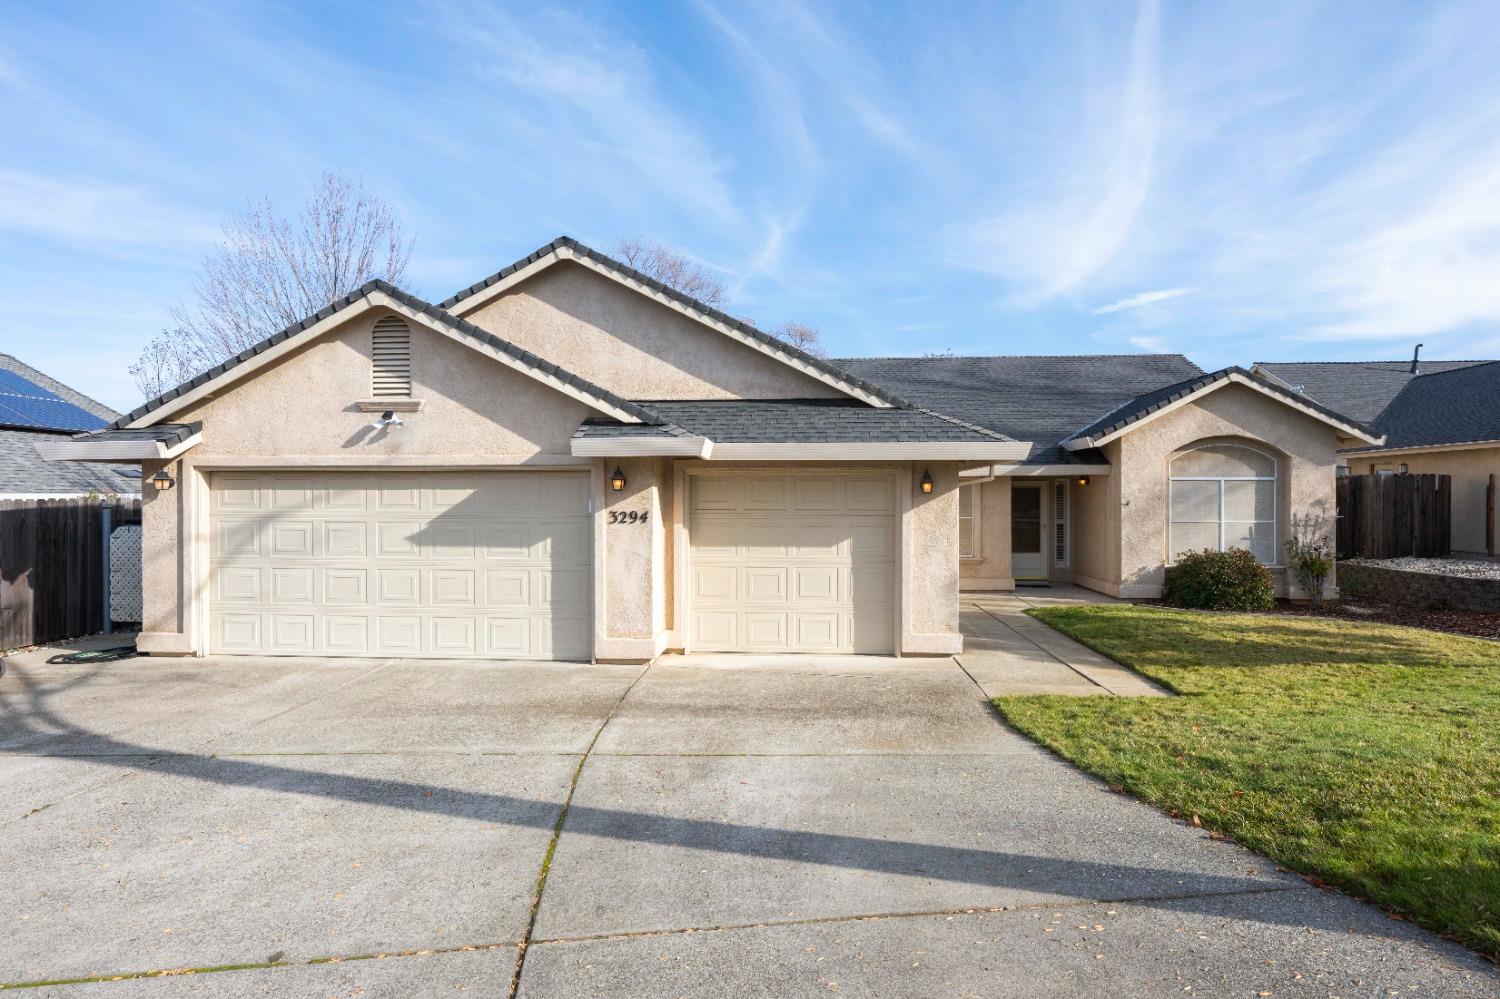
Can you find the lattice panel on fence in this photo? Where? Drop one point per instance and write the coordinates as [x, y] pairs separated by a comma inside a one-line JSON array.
[[125, 574]]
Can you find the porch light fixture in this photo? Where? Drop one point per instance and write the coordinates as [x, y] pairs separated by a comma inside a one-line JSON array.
[[617, 480], [1083, 480], [1402, 468], [162, 481], [926, 481]]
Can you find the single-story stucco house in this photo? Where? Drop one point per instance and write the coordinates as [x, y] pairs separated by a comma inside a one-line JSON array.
[[1436, 417], [570, 460]]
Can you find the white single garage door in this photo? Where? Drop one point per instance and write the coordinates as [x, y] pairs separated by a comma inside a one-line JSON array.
[[429, 564], [793, 562]]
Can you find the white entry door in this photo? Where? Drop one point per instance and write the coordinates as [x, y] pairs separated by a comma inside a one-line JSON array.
[[1027, 559], [424, 564], [792, 562]]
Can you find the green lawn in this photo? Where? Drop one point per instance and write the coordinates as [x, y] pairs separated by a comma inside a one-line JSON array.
[[1367, 755]]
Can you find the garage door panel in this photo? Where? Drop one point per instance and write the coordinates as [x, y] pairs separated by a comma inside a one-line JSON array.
[[345, 539], [346, 586], [508, 636], [346, 634], [765, 583], [238, 632], [453, 587], [292, 585], [401, 563], [507, 588], [237, 585], [397, 539], [784, 562]]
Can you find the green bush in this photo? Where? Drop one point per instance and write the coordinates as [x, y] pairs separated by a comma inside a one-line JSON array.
[[1227, 580]]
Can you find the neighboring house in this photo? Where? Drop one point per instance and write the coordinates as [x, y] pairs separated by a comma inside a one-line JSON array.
[[1438, 417], [571, 460], [35, 408]]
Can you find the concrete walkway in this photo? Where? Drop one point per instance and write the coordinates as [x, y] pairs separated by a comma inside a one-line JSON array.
[[1009, 653]]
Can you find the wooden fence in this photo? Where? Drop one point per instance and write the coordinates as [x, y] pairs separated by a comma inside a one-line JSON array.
[[1387, 516], [52, 568]]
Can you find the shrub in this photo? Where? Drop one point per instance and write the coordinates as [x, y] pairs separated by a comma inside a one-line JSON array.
[[1311, 562], [1227, 580]]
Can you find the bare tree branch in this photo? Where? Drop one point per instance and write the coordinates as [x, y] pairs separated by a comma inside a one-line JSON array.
[[656, 260], [803, 336], [676, 270], [269, 272]]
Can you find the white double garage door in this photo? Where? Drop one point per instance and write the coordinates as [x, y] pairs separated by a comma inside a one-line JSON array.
[[499, 564], [410, 564]]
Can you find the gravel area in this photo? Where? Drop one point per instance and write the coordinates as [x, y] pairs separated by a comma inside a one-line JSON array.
[[1472, 568]]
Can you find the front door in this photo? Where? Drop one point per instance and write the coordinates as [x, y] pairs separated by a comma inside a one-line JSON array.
[[1026, 559]]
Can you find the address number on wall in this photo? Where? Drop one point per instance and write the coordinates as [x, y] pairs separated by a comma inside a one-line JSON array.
[[629, 516]]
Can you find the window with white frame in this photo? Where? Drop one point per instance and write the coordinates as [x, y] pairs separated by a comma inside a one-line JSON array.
[[968, 521], [1223, 496]]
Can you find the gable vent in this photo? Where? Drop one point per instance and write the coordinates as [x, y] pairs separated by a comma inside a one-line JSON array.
[[1060, 523], [391, 354]]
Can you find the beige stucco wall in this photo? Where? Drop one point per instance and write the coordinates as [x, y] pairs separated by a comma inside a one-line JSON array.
[[633, 345], [991, 570], [1305, 452], [1096, 528], [1470, 469]]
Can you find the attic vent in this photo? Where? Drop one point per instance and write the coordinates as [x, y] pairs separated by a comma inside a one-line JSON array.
[[391, 355]]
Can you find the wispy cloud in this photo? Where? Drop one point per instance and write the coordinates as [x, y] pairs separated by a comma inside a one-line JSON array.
[[97, 213], [1073, 227], [1150, 344], [1143, 298]]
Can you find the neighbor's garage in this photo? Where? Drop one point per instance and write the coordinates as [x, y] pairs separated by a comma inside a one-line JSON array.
[[428, 564], [792, 562]]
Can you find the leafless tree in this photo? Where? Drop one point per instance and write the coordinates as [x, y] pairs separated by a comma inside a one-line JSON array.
[[269, 272], [659, 261], [674, 269]]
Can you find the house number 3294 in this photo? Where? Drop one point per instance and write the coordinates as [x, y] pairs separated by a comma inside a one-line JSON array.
[[629, 516]]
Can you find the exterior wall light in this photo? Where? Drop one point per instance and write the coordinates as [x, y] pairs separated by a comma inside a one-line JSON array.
[[162, 481], [926, 481], [1083, 480], [617, 480], [1402, 468]]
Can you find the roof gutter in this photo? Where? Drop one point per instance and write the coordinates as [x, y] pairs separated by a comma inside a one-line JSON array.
[[134, 449], [710, 450]]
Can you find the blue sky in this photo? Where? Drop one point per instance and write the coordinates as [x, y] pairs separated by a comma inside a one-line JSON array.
[[1237, 182]]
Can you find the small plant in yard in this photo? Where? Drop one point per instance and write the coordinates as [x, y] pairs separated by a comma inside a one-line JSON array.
[[1211, 580], [1311, 562]]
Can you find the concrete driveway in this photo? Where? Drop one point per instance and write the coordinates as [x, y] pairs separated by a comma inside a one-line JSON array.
[[728, 827]]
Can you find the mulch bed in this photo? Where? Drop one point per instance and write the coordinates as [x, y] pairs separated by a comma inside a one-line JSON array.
[[1483, 624]]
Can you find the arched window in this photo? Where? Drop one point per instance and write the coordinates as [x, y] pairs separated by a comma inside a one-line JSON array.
[[1223, 496]]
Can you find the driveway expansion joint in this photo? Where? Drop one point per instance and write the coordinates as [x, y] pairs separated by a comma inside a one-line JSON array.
[[557, 831]]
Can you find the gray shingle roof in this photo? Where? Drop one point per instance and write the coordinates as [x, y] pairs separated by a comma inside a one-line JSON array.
[[1147, 403], [1039, 399], [461, 326], [1458, 406], [1362, 389], [830, 368], [24, 471], [164, 433], [800, 421]]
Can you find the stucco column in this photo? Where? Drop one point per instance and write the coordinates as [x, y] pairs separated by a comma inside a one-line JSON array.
[[631, 538], [929, 563], [164, 546]]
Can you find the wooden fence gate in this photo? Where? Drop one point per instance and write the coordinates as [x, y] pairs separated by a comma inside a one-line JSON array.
[[52, 568], [1388, 516]]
